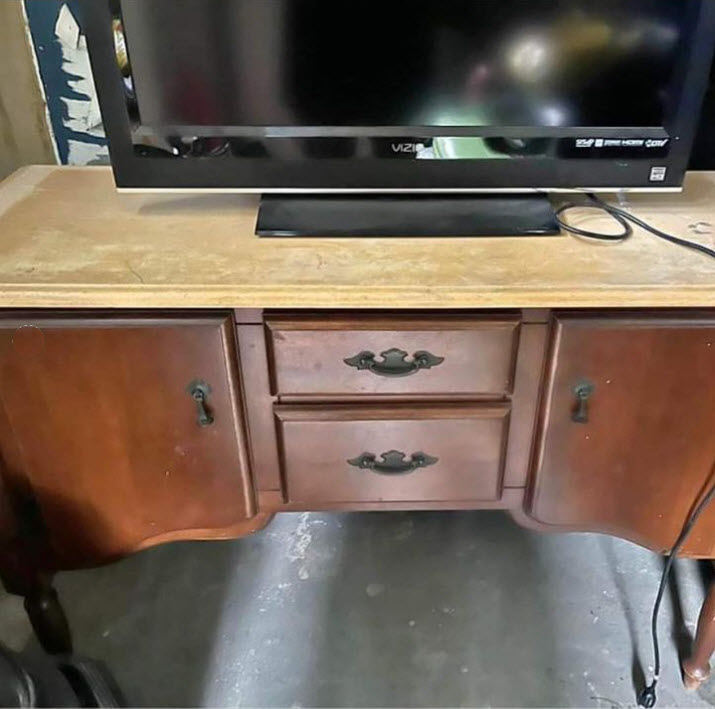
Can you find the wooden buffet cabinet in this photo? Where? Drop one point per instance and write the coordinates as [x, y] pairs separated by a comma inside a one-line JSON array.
[[125, 424]]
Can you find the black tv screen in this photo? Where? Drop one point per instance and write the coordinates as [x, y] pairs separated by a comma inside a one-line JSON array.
[[459, 63], [448, 94]]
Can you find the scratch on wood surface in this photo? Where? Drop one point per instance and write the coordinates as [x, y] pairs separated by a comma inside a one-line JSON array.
[[135, 272]]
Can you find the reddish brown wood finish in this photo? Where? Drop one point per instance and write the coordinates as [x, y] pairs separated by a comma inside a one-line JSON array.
[[509, 499], [648, 450], [529, 375], [103, 455], [259, 408], [248, 316], [468, 441], [307, 355], [101, 425], [696, 668]]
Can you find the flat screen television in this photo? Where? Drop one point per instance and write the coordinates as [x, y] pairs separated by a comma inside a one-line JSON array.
[[447, 96]]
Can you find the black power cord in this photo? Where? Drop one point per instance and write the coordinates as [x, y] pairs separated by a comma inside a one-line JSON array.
[[626, 220], [648, 698]]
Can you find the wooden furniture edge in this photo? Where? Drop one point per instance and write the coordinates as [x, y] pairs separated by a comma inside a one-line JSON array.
[[356, 297]]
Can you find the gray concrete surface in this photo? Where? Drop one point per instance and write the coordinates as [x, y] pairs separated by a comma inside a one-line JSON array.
[[381, 609]]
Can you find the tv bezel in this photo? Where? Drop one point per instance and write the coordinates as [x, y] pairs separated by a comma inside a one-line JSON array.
[[299, 175]]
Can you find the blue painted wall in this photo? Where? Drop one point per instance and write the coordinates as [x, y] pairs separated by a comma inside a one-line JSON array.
[[42, 16]]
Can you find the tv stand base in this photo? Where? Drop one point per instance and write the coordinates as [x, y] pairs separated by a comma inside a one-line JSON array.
[[406, 215]]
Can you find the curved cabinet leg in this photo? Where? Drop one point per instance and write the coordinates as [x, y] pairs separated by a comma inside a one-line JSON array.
[[21, 578], [49, 620], [26, 570], [696, 669]]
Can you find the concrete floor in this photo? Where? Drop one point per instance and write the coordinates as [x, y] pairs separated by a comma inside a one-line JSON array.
[[398, 609]]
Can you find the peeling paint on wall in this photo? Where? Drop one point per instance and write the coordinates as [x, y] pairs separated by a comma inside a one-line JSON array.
[[65, 68], [83, 114], [36, 65]]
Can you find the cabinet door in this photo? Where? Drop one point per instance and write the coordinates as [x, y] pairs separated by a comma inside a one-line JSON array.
[[100, 424], [638, 464]]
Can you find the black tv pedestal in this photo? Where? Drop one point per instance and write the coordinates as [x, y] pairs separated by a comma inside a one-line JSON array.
[[405, 215]]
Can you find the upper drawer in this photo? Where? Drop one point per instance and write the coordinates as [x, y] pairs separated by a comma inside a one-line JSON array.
[[376, 355]]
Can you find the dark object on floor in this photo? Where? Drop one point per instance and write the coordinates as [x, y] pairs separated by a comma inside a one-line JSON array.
[[55, 682]]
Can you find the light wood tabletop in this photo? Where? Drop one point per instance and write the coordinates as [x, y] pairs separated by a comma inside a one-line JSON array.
[[68, 239]]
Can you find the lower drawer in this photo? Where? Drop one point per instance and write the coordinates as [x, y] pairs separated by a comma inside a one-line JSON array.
[[343, 454]]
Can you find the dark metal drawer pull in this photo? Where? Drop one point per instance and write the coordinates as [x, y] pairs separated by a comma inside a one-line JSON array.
[[394, 362], [583, 393], [393, 462], [200, 393]]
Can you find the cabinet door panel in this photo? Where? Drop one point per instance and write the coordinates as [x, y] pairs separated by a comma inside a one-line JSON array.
[[637, 466], [99, 421]]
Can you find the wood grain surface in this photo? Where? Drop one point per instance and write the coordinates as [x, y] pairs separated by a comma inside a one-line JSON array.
[[478, 355], [68, 239], [646, 455], [465, 441], [100, 427]]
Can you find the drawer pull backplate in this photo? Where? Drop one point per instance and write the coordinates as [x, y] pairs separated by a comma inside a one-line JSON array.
[[394, 362], [199, 392], [583, 393], [393, 462]]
